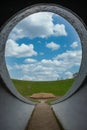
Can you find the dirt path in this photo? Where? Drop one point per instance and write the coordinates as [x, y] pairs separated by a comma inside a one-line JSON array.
[[43, 118]]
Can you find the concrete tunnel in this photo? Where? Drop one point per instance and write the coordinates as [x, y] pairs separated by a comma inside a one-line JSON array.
[[71, 109]]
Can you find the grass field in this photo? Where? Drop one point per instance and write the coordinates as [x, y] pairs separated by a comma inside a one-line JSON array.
[[58, 88]]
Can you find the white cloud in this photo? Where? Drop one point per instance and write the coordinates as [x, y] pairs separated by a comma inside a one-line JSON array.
[[38, 25], [74, 45], [53, 46], [52, 69], [59, 30], [16, 33], [69, 74], [70, 58], [37, 71], [30, 60], [15, 50]]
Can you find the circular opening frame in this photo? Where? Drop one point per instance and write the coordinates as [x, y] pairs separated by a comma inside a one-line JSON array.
[[71, 17]]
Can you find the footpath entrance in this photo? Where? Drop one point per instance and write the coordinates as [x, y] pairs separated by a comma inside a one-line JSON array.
[[43, 118]]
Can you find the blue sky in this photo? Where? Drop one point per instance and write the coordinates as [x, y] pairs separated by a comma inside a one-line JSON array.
[[41, 47]]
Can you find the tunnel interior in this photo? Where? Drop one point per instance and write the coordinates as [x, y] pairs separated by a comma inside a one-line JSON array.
[[70, 109]]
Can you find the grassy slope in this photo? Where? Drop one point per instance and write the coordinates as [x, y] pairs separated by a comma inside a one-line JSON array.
[[56, 87]]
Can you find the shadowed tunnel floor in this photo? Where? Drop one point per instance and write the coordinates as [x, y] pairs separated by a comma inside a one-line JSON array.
[[43, 118]]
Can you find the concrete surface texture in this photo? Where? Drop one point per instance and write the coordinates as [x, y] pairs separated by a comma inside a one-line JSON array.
[[72, 113], [14, 114], [15, 111]]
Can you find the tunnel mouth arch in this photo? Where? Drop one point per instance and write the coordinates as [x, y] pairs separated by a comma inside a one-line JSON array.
[[71, 17]]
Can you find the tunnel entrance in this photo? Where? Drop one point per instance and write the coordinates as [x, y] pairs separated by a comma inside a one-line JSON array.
[[55, 29], [71, 104], [43, 55]]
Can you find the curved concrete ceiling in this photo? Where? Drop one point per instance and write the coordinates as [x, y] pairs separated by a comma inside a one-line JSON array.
[[71, 109]]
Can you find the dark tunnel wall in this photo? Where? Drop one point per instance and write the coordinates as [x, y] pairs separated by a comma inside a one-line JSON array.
[[15, 111], [9, 8], [14, 114], [72, 113]]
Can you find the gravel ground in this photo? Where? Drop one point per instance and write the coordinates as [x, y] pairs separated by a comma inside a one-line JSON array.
[[43, 118]]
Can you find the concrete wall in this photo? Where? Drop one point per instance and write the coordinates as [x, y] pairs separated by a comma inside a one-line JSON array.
[[15, 111], [14, 114], [72, 112]]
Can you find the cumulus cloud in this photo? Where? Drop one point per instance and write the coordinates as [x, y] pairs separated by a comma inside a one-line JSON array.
[[53, 46], [37, 71], [59, 30], [30, 60], [38, 25], [70, 58], [69, 74], [74, 44], [52, 69], [13, 49]]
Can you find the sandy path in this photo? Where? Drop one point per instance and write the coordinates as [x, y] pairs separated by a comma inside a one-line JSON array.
[[43, 118]]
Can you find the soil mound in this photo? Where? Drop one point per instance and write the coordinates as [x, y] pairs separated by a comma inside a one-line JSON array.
[[42, 96]]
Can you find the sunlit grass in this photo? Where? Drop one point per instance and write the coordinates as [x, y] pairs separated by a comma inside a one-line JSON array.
[[58, 88]]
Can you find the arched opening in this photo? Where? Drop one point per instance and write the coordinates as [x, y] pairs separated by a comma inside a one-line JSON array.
[[43, 55], [70, 104]]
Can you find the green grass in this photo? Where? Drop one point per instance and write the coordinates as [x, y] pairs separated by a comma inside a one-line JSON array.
[[59, 88]]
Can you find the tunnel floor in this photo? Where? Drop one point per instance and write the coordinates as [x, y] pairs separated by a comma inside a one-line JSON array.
[[43, 118]]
